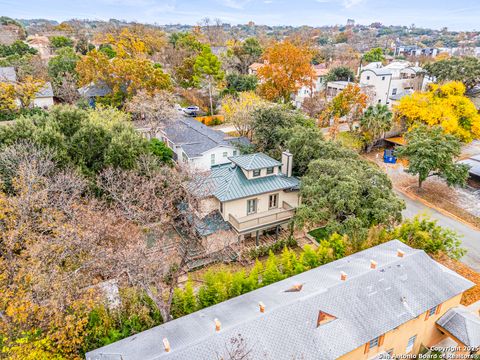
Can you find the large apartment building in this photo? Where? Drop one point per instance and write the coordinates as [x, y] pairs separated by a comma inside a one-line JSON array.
[[393, 81], [387, 301]]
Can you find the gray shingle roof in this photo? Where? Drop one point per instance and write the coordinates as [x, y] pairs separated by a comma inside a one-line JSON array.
[[366, 305], [93, 90], [228, 182], [462, 324], [7, 74], [195, 138], [254, 161], [45, 91]]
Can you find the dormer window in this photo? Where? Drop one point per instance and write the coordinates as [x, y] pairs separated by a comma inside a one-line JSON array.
[[269, 170], [256, 173]]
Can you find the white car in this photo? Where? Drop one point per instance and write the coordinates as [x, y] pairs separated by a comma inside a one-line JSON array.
[[191, 110]]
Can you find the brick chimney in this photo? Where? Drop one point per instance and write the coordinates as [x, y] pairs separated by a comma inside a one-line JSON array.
[[343, 276], [400, 253], [262, 307], [373, 264], [218, 325], [166, 345], [287, 162]]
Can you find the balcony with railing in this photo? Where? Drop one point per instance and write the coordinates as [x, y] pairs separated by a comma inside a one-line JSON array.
[[262, 219]]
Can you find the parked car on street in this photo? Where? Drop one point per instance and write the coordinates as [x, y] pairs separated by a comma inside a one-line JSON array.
[[191, 110]]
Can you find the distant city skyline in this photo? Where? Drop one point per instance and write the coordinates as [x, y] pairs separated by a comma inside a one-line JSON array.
[[456, 15]]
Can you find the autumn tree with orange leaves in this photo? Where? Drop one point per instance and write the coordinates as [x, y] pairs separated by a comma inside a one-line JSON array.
[[287, 68], [348, 106]]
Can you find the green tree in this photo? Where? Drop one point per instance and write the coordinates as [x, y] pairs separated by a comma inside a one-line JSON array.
[[208, 69], [374, 55], [245, 53], [238, 83], [425, 234], [107, 50], [272, 126], [58, 42], [348, 195], [309, 257], [160, 150], [18, 48], [374, 123], [341, 73], [466, 70], [272, 273], [431, 152], [64, 62]]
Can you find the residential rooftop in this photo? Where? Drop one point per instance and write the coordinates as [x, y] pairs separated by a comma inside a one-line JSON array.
[[196, 138], [228, 182], [254, 161], [366, 304], [7, 74], [462, 324]]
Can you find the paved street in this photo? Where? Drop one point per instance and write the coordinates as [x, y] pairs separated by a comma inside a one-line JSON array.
[[470, 236]]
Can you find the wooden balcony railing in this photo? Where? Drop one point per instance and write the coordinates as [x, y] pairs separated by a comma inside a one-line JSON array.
[[262, 219]]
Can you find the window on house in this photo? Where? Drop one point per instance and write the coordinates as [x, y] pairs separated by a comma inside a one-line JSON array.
[[269, 170], [256, 172], [383, 77], [251, 206], [212, 159], [368, 77], [273, 201], [221, 207], [234, 152], [394, 91], [225, 154], [410, 344], [432, 311], [374, 342]]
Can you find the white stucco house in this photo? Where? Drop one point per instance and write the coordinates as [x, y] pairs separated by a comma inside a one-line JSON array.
[[393, 81], [198, 145]]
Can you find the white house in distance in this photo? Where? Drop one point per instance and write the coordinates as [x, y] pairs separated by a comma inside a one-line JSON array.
[[199, 146], [393, 81]]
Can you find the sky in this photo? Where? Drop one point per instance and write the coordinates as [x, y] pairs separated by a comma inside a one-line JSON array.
[[454, 14]]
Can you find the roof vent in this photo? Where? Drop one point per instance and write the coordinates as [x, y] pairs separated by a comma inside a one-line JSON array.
[[343, 276], [218, 325], [373, 264], [295, 288], [166, 345], [400, 253], [262, 307]]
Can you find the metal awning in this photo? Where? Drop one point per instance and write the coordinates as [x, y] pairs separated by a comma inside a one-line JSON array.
[[397, 140]]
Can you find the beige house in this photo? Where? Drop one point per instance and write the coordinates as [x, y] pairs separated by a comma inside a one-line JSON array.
[[387, 302], [252, 195]]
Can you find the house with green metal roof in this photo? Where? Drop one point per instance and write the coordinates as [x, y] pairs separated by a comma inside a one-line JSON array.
[[253, 194]]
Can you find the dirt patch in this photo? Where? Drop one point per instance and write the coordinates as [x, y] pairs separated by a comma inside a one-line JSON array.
[[470, 296]]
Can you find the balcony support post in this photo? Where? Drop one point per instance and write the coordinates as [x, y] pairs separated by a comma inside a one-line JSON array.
[[257, 236]]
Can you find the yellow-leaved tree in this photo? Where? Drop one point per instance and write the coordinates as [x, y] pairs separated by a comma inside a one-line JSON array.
[[239, 111], [445, 105]]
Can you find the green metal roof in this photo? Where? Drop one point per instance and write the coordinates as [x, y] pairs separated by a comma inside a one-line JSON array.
[[228, 182], [254, 161]]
